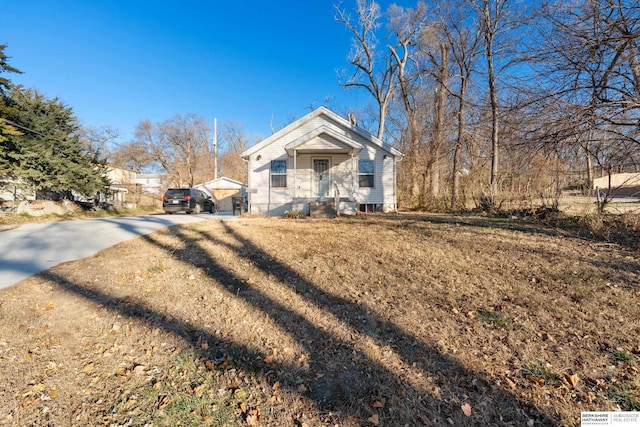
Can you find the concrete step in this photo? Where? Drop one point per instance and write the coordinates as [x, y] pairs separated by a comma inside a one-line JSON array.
[[322, 209]]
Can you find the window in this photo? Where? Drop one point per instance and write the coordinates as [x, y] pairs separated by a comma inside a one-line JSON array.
[[278, 173], [365, 173]]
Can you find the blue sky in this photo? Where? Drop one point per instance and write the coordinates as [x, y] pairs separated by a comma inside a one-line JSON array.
[[116, 62]]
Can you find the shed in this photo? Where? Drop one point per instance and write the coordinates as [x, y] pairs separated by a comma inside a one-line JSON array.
[[221, 190]]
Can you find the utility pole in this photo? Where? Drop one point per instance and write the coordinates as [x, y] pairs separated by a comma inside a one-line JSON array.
[[215, 148]]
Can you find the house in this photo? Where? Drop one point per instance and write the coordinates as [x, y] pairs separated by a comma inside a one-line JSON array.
[[222, 190], [122, 182], [321, 160], [151, 183], [624, 184]]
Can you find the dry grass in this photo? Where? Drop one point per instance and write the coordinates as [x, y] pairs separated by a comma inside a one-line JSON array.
[[375, 320]]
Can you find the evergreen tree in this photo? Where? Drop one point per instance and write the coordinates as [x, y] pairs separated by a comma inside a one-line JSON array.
[[49, 154], [5, 127]]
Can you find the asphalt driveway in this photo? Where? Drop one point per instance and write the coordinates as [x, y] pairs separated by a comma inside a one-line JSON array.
[[33, 248]]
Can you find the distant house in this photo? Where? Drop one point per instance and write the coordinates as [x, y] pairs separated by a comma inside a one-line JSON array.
[[122, 182], [151, 183], [619, 184], [222, 190], [322, 160]]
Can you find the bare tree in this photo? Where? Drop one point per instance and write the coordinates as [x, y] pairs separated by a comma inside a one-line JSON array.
[[592, 74], [100, 140], [442, 76], [372, 70], [180, 146], [491, 12], [234, 141], [463, 38], [406, 25], [132, 155]]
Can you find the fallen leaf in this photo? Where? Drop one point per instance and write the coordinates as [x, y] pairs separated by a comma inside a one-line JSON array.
[[53, 393], [38, 388], [27, 402], [130, 403], [374, 419], [572, 379], [426, 421], [199, 390], [50, 306], [268, 359], [511, 383], [537, 380], [27, 356], [466, 408], [253, 417], [379, 402]]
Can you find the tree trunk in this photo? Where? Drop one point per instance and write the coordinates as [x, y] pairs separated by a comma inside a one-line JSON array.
[[589, 159], [412, 123], [438, 137], [455, 178], [493, 94]]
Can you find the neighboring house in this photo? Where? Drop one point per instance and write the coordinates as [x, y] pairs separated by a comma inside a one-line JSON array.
[[222, 190], [619, 184], [322, 159], [122, 182], [151, 183]]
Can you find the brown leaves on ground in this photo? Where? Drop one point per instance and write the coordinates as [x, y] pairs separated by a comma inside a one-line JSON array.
[[373, 320]]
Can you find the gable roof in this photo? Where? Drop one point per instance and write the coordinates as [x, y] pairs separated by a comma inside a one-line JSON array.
[[222, 183], [341, 140], [319, 131]]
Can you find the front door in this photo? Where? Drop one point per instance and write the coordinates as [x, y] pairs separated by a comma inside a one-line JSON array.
[[321, 182]]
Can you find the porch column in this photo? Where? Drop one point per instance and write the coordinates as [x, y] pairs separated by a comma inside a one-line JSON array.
[[295, 172], [354, 171]]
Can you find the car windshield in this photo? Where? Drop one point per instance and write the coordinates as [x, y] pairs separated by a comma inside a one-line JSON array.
[[180, 192]]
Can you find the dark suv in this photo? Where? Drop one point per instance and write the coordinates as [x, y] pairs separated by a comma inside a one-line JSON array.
[[186, 199]]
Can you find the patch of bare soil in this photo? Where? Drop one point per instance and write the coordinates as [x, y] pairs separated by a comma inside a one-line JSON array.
[[374, 320]]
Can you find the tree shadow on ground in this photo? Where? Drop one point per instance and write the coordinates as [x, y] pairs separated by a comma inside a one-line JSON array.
[[420, 383]]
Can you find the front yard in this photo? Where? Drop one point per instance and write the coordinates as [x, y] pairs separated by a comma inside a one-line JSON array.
[[373, 320]]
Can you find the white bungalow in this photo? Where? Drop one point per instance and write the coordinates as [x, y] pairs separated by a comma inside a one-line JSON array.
[[321, 161]]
